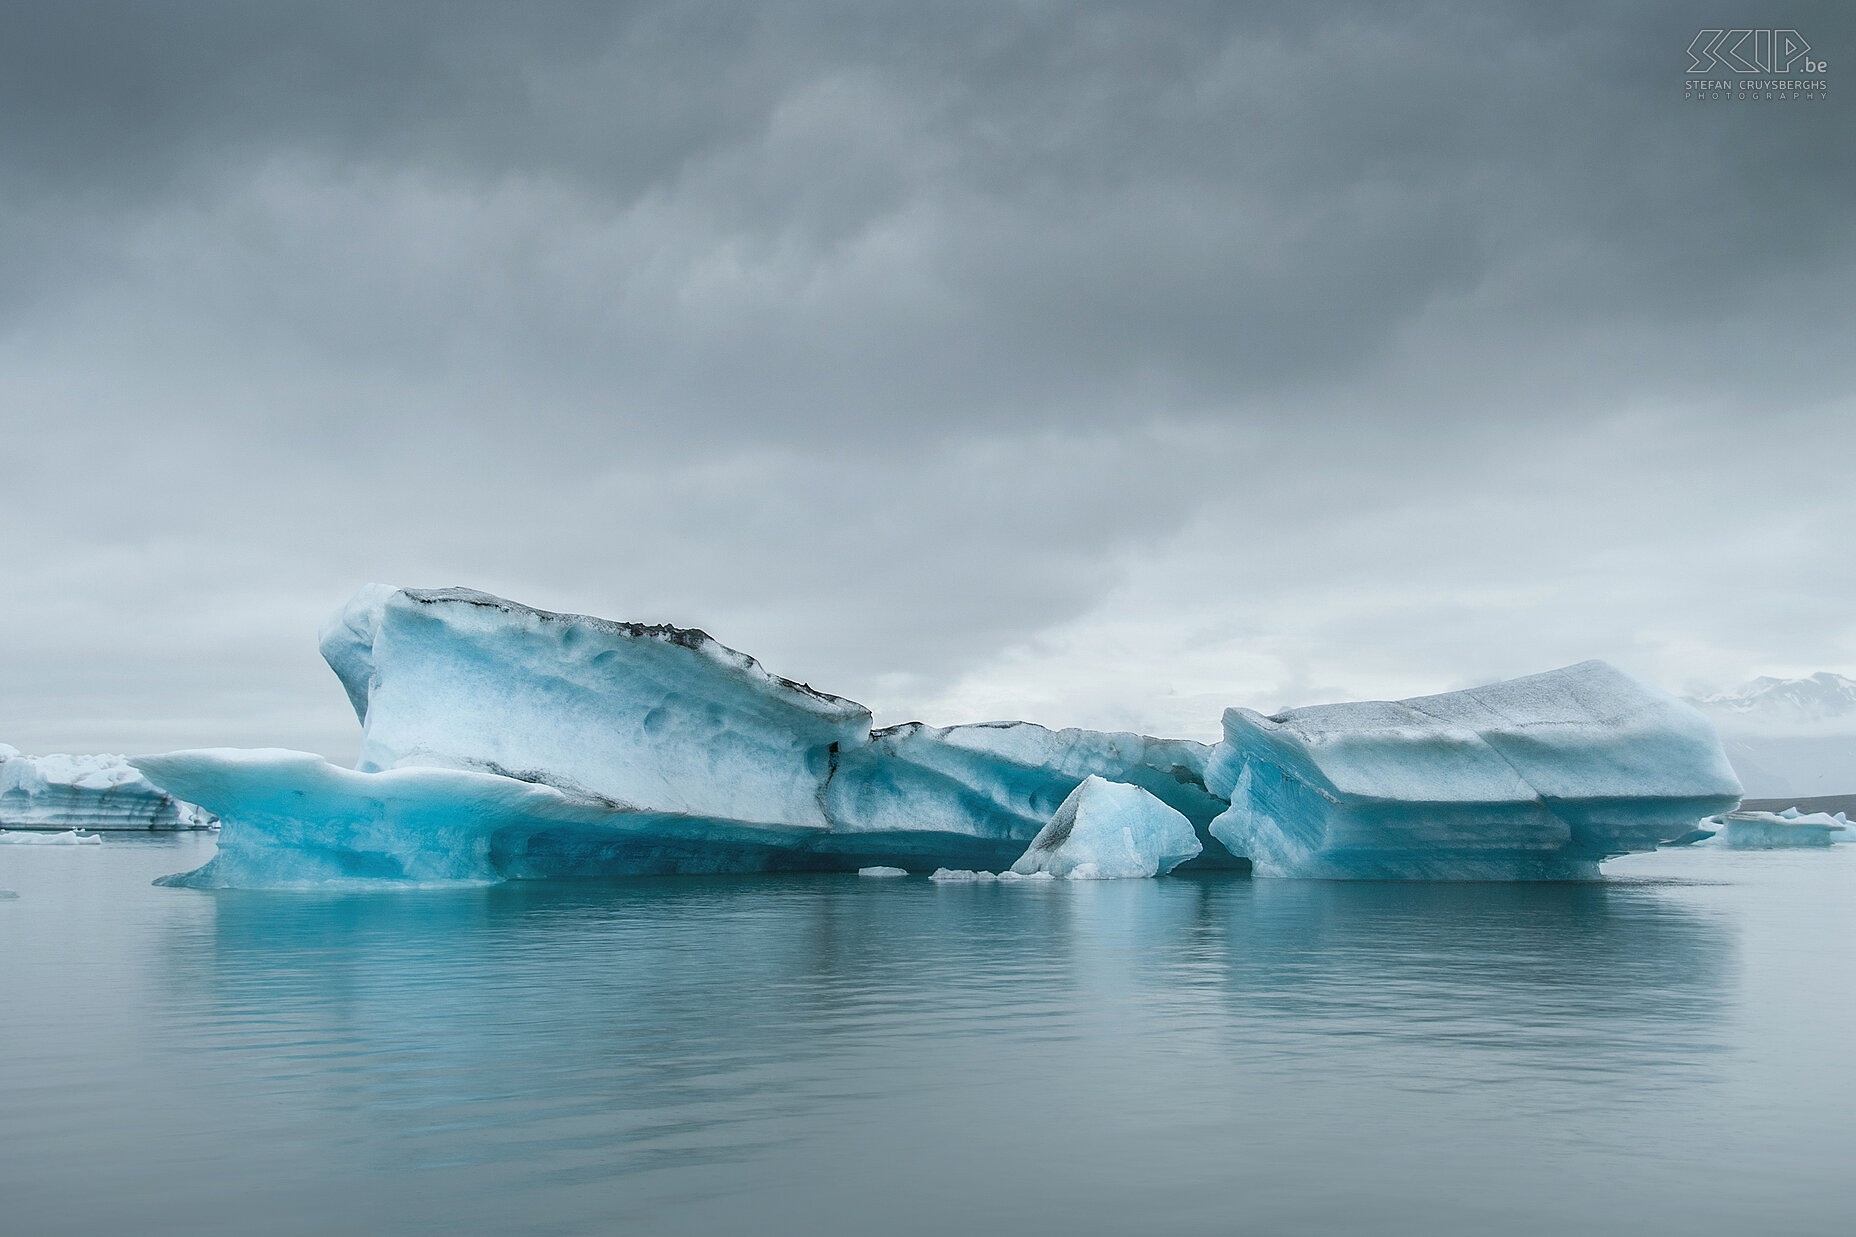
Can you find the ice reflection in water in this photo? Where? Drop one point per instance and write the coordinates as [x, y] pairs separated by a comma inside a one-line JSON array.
[[824, 1054]]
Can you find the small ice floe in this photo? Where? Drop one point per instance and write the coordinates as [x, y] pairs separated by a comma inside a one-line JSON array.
[[960, 876], [1777, 830], [7, 895], [21, 837], [882, 871]]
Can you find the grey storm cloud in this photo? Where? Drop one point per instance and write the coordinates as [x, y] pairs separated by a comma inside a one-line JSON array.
[[961, 356]]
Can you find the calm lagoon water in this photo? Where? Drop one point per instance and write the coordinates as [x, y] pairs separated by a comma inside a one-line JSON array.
[[1667, 1051]]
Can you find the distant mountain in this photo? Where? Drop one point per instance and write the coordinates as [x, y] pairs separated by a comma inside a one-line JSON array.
[[1786, 706], [1792, 737]]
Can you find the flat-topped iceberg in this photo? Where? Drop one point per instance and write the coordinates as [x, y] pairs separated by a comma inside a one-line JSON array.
[[43, 837], [1532, 778], [1777, 830], [86, 792], [502, 742], [1108, 831]]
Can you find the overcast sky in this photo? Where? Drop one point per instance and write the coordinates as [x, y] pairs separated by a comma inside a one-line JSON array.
[[1096, 364]]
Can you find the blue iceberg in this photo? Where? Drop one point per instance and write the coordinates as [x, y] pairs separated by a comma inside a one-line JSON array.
[[500, 742], [1533, 778], [1110, 831]]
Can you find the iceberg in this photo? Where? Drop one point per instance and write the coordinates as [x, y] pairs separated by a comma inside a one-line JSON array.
[[1838, 823], [1535, 778], [503, 742], [670, 720], [1107, 830], [87, 792], [1781, 830], [964, 876], [881, 871], [69, 838]]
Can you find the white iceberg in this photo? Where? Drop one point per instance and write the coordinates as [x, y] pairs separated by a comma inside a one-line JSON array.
[[882, 871], [1780, 830], [1533, 778], [1107, 830], [70, 838], [86, 792], [965, 876]]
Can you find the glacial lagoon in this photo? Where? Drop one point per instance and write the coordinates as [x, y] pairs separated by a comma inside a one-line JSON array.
[[1663, 1051]]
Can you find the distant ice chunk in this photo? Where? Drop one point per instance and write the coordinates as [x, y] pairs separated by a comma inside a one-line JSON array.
[[70, 838], [963, 876], [86, 792], [1109, 830], [1779, 830], [882, 871], [1532, 778], [7, 895]]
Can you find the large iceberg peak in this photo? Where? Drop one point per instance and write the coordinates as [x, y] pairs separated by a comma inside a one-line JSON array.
[[347, 642], [630, 714], [348, 637]]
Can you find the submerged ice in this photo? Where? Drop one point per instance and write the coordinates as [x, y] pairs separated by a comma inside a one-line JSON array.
[[500, 741]]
